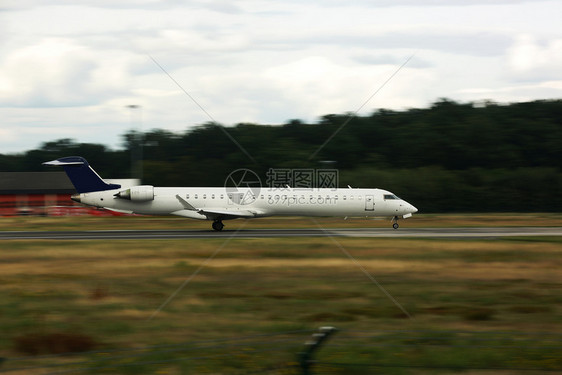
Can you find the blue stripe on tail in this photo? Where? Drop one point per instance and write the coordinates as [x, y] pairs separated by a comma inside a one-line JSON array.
[[82, 176]]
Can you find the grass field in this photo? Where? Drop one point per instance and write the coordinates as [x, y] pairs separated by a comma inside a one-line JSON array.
[[149, 222], [475, 306]]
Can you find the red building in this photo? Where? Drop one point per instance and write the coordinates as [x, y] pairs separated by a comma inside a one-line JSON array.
[[40, 193]]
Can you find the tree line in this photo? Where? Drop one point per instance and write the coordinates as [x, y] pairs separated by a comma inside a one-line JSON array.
[[449, 157]]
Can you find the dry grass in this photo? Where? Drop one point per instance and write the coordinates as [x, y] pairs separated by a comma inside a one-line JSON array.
[[106, 291], [154, 223]]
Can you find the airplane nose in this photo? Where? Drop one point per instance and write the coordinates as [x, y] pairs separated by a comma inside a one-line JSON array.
[[414, 210], [75, 197]]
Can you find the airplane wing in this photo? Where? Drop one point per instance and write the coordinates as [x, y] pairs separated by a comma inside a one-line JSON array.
[[232, 213], [185, 203], [213, 213], [119, 211]]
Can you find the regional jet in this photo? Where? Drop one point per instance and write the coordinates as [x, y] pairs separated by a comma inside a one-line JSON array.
[[226, 203]]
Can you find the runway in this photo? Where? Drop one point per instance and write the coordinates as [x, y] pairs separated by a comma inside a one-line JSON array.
[[458, 233]]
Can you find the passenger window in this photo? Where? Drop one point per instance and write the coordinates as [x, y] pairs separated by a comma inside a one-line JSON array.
[[195, 196]]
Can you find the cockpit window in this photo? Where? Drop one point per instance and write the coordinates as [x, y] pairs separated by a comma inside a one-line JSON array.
[[390, 196]]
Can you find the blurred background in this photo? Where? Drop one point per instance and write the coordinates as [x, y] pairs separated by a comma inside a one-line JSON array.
[[453, 105], [450, 157]]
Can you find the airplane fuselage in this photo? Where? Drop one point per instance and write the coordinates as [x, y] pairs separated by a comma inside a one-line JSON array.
[[226, 203], [213, 202]]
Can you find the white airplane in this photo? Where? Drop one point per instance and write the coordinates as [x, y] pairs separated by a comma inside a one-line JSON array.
[[223, 203]]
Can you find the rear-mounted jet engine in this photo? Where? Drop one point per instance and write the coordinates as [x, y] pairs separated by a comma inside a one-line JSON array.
[[141, 193]]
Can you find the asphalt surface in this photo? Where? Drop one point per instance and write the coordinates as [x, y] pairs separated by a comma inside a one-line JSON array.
[[467, 233]]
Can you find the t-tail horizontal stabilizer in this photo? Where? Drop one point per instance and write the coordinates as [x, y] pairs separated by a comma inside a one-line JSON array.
[[82, 176]]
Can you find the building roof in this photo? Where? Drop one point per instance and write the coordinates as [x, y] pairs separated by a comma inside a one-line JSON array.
[[35, 183]]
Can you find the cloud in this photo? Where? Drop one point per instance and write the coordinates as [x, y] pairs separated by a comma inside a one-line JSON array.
[[528, 59], [515, 93], [56, 72], [388, 59], [317, 86], [445, 40], [226, 6], [72, 68], [422, 3]]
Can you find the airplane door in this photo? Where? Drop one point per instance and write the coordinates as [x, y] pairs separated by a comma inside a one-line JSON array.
[[369, 203]]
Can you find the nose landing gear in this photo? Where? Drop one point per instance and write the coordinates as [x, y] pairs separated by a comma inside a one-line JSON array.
[[395, 222]]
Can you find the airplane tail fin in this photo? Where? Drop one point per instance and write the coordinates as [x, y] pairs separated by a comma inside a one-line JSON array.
[[82, 176]]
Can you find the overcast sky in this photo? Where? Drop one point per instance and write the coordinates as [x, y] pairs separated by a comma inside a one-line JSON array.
[[70, 69]]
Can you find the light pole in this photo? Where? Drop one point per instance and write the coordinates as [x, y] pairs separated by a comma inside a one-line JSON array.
[[136, 142]]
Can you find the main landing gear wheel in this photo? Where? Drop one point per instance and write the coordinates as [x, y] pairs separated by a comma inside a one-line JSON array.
[[218, 225]]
